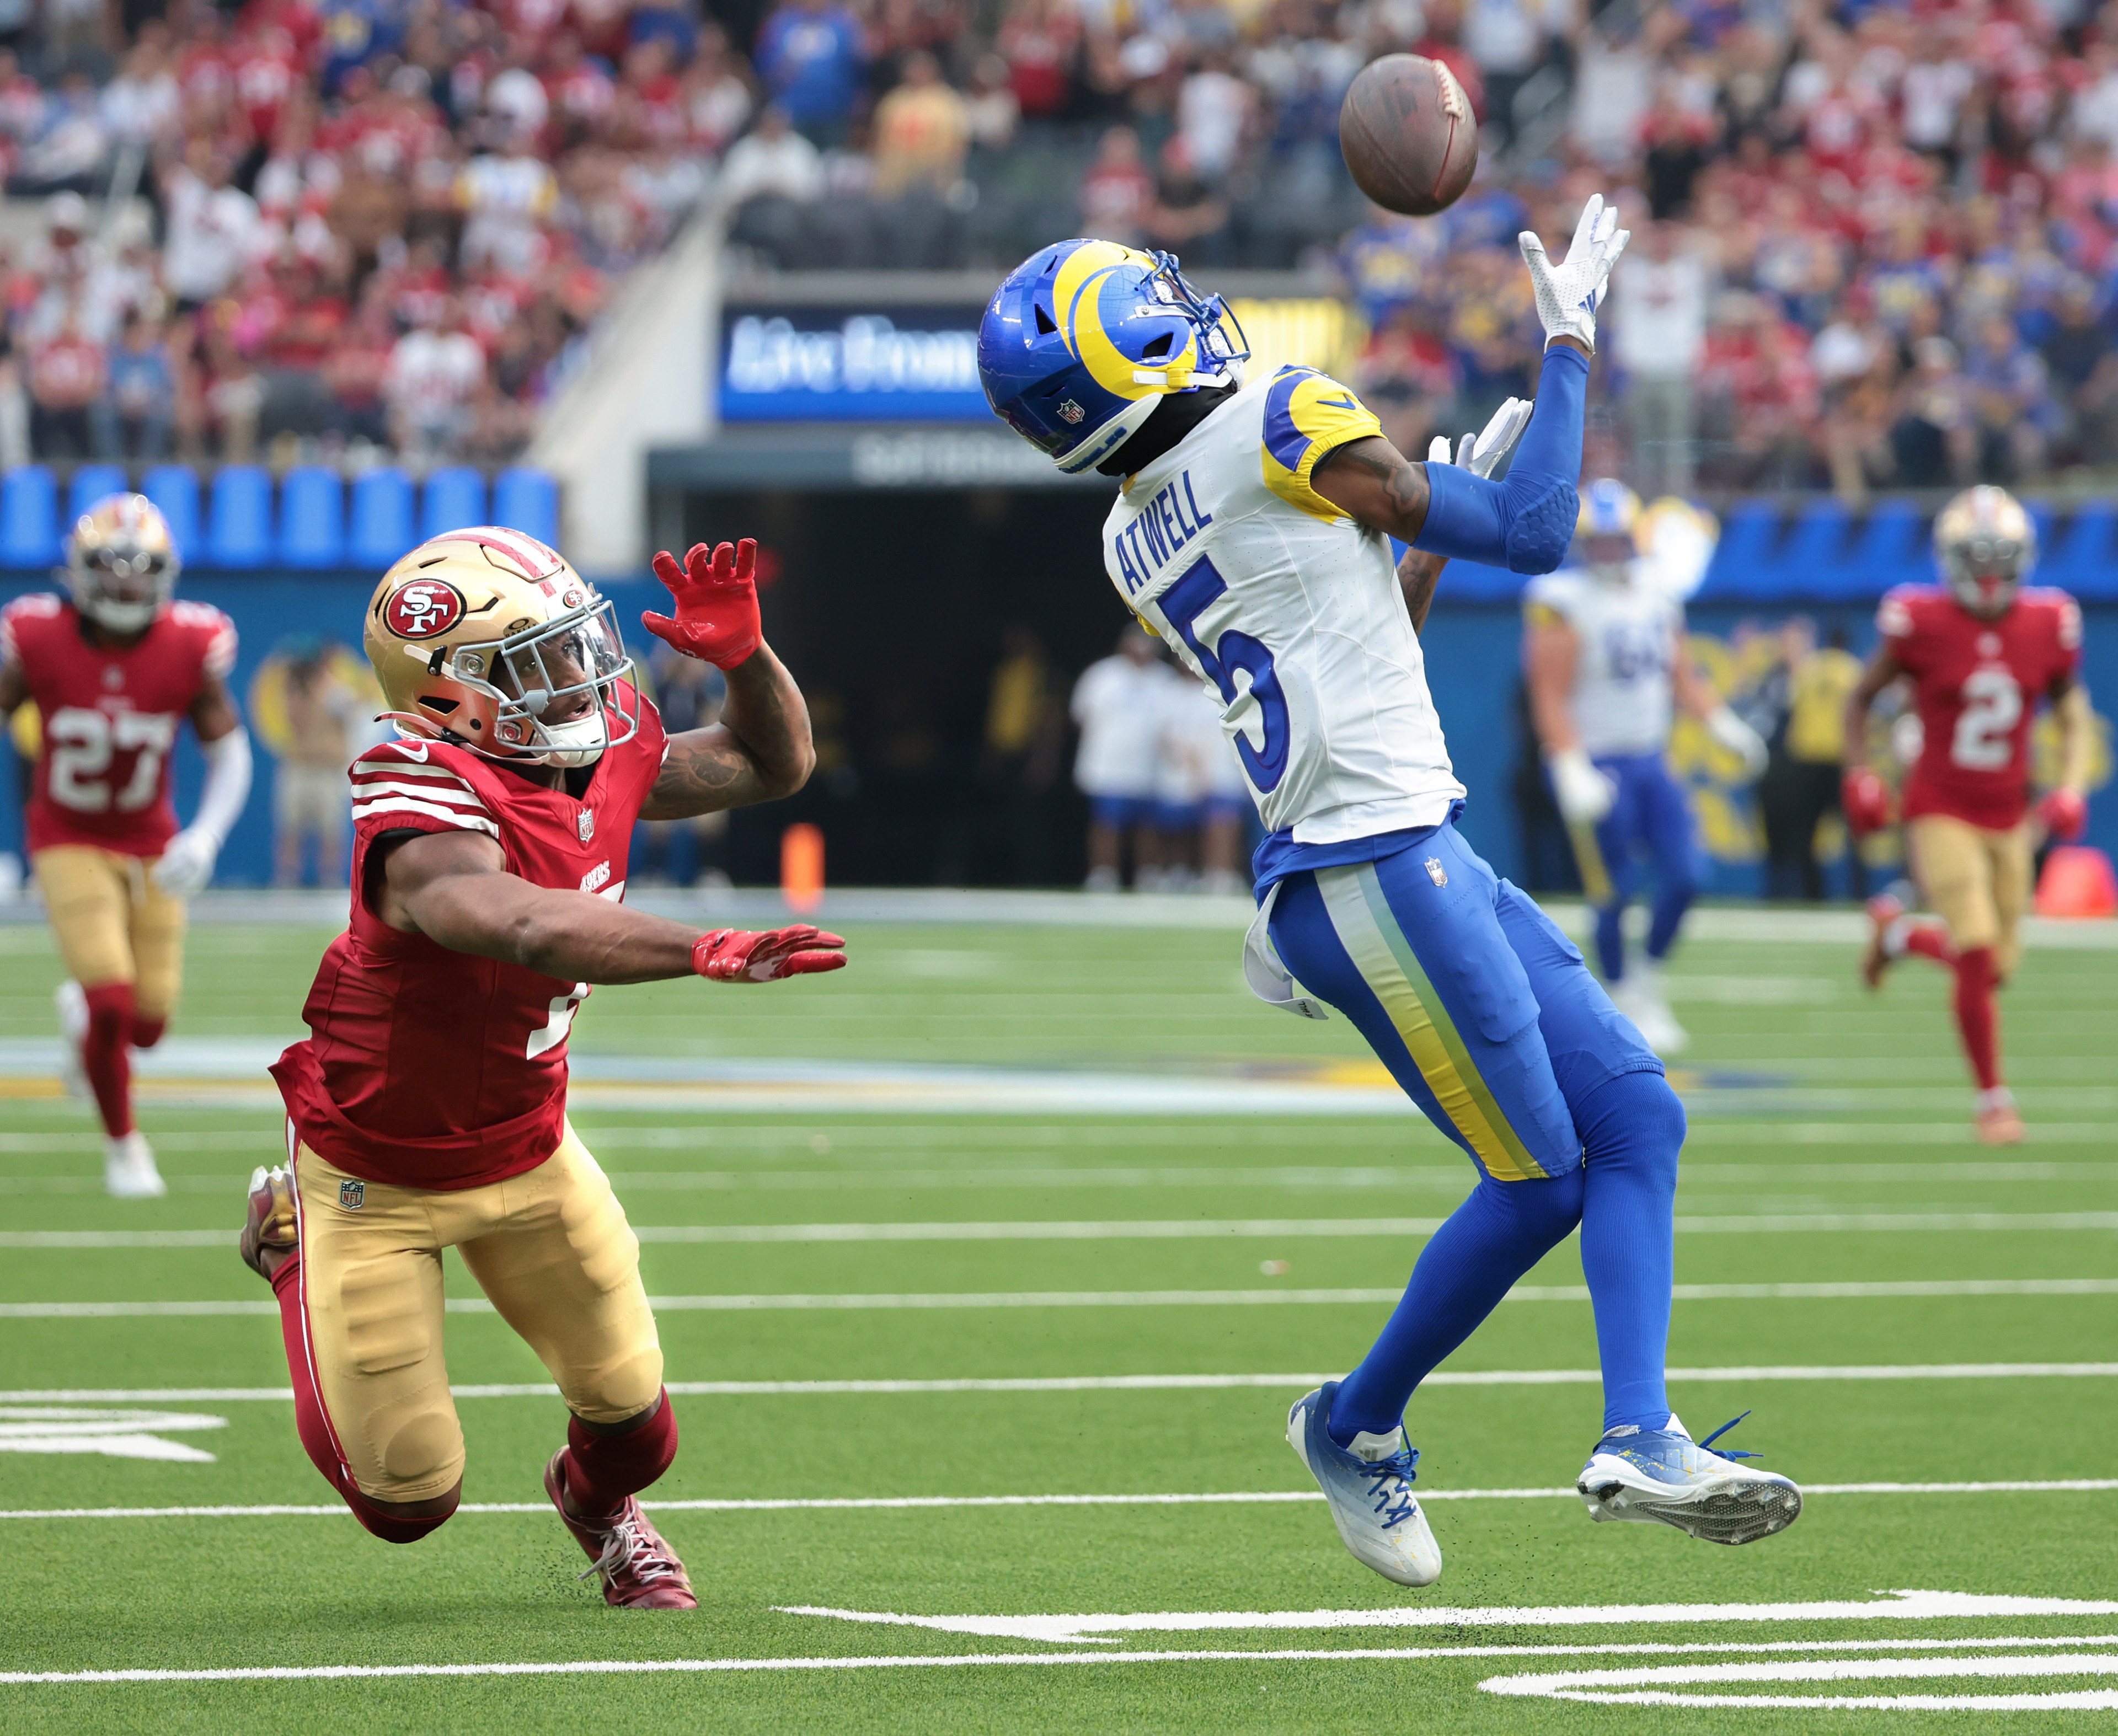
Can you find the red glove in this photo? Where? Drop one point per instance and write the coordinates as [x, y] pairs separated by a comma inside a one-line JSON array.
[[1865, 800], [2065, 814], [739, 955], [716, 594]]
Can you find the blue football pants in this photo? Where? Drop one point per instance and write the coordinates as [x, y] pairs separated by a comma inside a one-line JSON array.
[[1649, 833]]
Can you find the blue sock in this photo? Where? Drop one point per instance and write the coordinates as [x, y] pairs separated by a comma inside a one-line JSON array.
[[1673, 898], [1610, 940], [1632, 1127], [1524, 522], [1471, 1262]]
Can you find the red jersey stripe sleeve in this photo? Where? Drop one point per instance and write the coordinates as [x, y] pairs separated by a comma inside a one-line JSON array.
[[390, 793]]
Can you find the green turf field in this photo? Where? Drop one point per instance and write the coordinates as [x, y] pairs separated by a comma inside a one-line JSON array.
[[851, 1290]]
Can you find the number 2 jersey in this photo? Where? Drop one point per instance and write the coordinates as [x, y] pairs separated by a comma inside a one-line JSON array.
[[434, 1069], [109, 717], [1977, 683], [1289, 612]]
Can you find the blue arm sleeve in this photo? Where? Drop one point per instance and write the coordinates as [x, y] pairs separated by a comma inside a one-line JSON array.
[[1525, 522]]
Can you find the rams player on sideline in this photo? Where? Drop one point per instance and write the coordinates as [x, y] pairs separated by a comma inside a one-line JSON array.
[[427, 1109], [1252, 531], [115, 666], [1604, 653]]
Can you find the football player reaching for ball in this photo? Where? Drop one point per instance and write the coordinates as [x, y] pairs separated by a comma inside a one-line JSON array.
[[1980, 650], [1251, 529], [115, 666], [427, 1108]]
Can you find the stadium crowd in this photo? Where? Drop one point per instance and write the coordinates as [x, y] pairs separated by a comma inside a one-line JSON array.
[[335, 223]]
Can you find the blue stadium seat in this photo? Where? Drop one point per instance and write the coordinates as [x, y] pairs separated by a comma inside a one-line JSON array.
[[1742, 564], [28, 517], [1890, 547], [239, 529], [454, 500], [311, 517], [91, 483], [175, 489], [2084, 560], [1812, 562], [527, 501], [382, 526]]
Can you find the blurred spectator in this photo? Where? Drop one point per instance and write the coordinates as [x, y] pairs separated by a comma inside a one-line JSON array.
[[991, 108], [774, 161], [1040, 41], [1935, 440], [922, 130], [133, 417], [810, 54], [212, 227], [434, 371], [1117, 708], [1117, 192], [1658, 336], [66, 381], [312, 801]]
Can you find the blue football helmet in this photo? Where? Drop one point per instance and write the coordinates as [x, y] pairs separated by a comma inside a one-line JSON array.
[[1083, 338]]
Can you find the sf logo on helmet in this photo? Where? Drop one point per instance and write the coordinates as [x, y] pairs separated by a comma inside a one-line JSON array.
[[422, 608]]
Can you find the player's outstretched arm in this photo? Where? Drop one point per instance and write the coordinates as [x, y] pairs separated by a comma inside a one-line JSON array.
[[454, 888], [1417, 570], [762, 748]]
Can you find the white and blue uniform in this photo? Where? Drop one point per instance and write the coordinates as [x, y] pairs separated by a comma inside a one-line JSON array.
[[1627, 627], [1293, 614]]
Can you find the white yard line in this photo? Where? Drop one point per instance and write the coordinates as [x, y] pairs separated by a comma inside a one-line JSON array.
[[798, 1302], [1132, 1382], [1250, 1497], [1168, 1230]]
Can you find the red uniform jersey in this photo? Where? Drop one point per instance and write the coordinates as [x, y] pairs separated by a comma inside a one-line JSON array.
[[109, 717], [432, 1069], [1978, 684]]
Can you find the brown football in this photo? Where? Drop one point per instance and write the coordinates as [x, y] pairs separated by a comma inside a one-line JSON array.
[[1409, 134]]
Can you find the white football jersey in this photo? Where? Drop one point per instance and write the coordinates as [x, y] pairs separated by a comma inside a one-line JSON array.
[[1289, 610], [1627, 631]]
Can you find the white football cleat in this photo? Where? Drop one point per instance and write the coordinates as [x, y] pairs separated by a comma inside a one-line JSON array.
[[1369, 1488], [72, 1001], [1639, 994], [1662, 1476], [128, 1168]]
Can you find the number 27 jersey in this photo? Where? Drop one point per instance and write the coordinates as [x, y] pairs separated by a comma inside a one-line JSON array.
[[1978, 684], [1289, 612]]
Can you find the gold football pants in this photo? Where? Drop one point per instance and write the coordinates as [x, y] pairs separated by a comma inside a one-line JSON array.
[[113, 923], [1977, 881]]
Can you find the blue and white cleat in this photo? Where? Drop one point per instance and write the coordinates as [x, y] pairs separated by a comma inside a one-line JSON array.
[[1369, 1488], [1663, 1476]]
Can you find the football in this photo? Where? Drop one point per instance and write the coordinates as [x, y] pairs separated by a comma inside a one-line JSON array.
[[1410, 139]]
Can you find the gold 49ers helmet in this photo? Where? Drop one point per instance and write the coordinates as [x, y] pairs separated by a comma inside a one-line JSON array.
[[121, 565], [1986, 545], [489, 639]]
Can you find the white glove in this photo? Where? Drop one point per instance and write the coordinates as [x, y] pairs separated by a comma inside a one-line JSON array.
[[1481, 452], [186, 864], [1740, 739], [1583, 793], [1567, 295]]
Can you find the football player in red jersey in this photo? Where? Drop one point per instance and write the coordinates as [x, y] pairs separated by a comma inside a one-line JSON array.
[[1980, 650], [114, 667], [427, 1108]]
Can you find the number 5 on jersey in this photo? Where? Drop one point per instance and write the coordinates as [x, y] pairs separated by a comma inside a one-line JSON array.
[[1193, 591]]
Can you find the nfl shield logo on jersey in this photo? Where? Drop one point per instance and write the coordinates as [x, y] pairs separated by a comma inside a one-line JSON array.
[[1436, 872], [353, 1194], [586, 825]]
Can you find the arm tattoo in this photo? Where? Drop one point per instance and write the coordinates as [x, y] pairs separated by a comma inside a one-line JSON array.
[[1417, 575], [759, 750]]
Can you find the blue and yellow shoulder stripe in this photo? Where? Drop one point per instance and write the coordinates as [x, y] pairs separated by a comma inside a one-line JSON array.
[[1307, 415]]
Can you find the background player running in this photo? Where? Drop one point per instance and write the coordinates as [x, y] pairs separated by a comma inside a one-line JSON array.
[[1604, 653], [427, 1108], [1252, 533], [114, 667], [1980, 651]]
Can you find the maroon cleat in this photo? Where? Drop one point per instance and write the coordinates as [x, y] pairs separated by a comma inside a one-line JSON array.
[[639, 1570]]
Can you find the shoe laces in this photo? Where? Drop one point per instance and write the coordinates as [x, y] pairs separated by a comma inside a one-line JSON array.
[[1392, 1480], [1728, 1453], [629, 1549]]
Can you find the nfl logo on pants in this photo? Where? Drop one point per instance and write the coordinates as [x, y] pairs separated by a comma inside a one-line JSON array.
[[352, 1194]]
